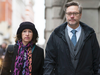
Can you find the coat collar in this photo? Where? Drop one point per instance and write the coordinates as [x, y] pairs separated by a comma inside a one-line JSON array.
[[59, 31]]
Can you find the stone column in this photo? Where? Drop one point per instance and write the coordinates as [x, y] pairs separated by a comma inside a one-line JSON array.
[[53, 19]]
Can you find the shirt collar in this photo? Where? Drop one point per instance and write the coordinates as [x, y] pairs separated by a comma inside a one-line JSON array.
[[70, 29]]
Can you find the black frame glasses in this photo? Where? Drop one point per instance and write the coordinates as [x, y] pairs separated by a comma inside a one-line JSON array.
[[74, 13]]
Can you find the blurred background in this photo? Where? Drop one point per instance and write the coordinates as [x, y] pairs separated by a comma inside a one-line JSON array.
[[45, 14], [13, 12]]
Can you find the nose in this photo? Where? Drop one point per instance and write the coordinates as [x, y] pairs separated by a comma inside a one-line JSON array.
[[27, 33], [72, 15]]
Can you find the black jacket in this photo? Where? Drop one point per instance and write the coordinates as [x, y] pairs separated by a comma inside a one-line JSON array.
[[58, 60], [37, 61]]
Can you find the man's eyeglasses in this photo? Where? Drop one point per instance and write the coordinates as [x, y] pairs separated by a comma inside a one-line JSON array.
[[75, 14]]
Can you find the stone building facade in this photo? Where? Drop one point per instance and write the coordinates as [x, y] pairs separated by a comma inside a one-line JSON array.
[[55, 15], [5, 20], [12, 13]]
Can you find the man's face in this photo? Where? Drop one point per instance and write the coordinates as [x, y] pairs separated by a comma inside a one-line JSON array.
[[4, 45], [73, 16]]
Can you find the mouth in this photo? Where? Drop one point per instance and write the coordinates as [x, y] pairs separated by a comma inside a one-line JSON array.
[[26, 37], [72, 20]]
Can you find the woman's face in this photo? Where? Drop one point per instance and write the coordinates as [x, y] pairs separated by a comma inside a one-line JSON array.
[[27, 36]]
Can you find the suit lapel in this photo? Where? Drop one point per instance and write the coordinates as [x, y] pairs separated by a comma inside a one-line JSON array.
[[67, 51], [64, 39]]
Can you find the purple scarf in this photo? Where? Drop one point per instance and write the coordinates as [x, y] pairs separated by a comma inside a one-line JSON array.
[[21, 62]]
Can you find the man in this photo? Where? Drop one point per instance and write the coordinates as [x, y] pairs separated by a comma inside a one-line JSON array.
[[72, 48]]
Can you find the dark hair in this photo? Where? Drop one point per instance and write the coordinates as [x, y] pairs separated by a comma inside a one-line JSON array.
[[73, 3], [34, 39]]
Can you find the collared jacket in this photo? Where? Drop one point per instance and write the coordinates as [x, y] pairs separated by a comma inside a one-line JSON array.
[[37, 61], [58, 59]]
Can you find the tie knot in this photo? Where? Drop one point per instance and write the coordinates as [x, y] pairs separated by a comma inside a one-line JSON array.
[[74, 31]]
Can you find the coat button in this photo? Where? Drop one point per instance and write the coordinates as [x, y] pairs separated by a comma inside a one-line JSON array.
[[75, 59]]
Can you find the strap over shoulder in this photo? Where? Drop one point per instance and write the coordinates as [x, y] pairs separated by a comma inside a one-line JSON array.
[[10, 48]]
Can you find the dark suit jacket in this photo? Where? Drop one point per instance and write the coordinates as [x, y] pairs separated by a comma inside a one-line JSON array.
[[37, 61]]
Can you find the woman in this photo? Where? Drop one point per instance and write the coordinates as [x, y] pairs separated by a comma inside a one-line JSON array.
[[27, 57]]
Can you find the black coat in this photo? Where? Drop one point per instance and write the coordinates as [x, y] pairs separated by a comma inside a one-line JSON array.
[[58, 60], [37, 61]]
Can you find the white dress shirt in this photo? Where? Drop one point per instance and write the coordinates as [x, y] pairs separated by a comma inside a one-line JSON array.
[[78, 29]]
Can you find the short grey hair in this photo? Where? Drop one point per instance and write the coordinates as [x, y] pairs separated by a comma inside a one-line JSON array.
[[73, 3]]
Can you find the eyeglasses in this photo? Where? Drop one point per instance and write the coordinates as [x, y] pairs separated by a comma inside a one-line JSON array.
[[75, 14]]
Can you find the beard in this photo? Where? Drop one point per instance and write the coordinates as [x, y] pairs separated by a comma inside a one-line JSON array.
[[73, 24]]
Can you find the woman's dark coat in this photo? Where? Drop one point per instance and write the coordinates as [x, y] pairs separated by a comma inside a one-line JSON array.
[[58, 60], [37, 61]]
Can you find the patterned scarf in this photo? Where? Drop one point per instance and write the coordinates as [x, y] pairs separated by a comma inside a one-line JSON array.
[[23, 61]]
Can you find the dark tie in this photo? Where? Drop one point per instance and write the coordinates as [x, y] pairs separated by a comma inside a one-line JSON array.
[[73, 39]]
